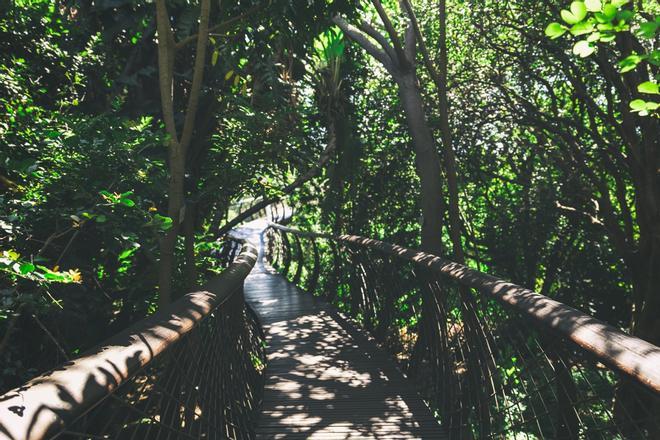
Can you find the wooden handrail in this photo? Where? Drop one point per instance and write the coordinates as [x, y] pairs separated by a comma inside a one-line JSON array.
[[52, 401], [626, 354]]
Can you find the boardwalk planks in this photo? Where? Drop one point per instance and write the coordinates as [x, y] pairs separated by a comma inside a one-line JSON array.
[[325, 379]]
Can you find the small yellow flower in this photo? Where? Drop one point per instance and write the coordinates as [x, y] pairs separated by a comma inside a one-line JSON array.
[[153, 209], [75, 275], [56, 269]]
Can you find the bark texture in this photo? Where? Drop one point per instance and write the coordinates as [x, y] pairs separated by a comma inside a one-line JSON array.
[[398, 58]]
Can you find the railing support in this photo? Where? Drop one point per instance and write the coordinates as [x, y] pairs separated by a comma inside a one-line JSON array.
[[493, 358], [55, 401]]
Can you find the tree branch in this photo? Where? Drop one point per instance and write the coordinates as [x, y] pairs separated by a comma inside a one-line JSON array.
[[368, 29], [404, 63], [198, 74], [354, 34], [311, 172], [220, 26], [433, 72], [410, 44], [165, 67]]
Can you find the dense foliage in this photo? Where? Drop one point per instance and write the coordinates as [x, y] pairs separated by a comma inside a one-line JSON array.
[[549, 108]]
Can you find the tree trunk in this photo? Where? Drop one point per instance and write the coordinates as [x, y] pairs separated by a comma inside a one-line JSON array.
[[427, 163], [447, 144], [177, 148], [400, 63]]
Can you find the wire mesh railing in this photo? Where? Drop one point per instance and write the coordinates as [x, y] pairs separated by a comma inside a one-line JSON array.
[[192, 370], [492, 359]]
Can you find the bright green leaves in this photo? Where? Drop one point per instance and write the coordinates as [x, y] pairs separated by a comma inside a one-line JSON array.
[[593, 18], [577, 13], [630, 62], [12, 264], [125, 257], [214, 57], [593, 5], [648, 87], [582, 28], [583, 48], [118, 199], [555, 30], [649, 29], [644, 108], [153, 219], [600, 21], [161, 222], [126, 253], [27, 268]]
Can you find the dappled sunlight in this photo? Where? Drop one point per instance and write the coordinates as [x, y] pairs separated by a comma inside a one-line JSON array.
[[324, 378]]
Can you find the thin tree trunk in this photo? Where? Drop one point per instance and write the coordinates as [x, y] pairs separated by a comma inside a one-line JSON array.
[[447, 142], [177, 148], [400, 63], [439, 77], [427, 163]]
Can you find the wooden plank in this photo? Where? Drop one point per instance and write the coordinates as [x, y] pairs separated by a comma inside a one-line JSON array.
[[325, 378]]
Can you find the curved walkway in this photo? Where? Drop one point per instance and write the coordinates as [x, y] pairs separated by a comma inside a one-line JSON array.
[[326, 379]]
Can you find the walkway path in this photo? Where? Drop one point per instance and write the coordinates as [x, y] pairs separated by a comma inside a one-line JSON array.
[[325, 379]]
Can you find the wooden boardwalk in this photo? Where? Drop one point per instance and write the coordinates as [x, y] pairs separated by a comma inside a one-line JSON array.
[[326, 379]]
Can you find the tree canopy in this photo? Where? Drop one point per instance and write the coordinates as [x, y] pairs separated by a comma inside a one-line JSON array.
[[517, 136]]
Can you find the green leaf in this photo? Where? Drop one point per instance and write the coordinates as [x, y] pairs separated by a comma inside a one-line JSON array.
[[163, 222], [582, 28], [618, 3], [555, 30], [609, 11], [643, 107], [52, 276], [568, 17], [101, 219], [629, 63], [648, 29], [625, 15], [214, 57], [27, 268], [579, 10], [606, 27], [600, 17], [127, 202], [649, 87], [593, 5], [596, 36], [127, 253], [583, 48], [654, 57]]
